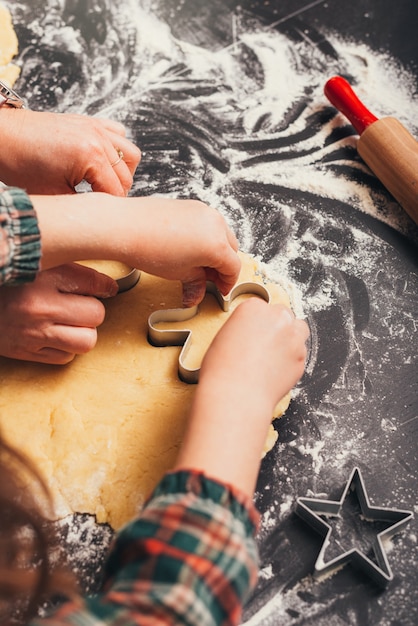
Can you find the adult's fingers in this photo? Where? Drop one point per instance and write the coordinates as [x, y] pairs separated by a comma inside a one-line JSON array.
[[76, 301], [112, 168], [85, 281], [63, 344], [117, 135], [68, 339], [123, 146], [77, 311], [49, 356], [56, 344], [233, 241], [112, 125], [107, 159], [113, 176]]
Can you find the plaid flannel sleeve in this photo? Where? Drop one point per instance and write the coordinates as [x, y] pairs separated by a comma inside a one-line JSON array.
[[190, 558], [20, 241]]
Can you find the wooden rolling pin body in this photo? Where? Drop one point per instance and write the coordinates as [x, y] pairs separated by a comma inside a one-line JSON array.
[[391, 152], [385, 145]]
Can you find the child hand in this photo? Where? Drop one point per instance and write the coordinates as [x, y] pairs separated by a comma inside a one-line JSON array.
[[184, 240], [261, 351], [254, 360]]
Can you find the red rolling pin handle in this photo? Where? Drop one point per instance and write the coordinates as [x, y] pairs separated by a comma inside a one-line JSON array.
[[384, 144], [339, 93]]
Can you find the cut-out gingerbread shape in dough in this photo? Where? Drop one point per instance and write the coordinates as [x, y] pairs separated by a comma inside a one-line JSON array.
[[105, 428], [177, 327]]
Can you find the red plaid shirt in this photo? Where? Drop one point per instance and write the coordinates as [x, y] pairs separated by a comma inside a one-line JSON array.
[[189, 558]]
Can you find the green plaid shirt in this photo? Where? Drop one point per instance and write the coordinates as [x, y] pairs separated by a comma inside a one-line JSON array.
[[20, 245], [189, 558]]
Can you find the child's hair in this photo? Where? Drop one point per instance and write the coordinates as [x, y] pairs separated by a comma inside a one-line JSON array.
[[27, 575]]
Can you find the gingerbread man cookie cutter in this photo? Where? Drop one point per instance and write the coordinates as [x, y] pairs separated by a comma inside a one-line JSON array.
[[129, 280], [314, 510], [184, 337]]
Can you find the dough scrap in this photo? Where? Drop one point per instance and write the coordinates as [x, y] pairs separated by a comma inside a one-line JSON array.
[[103, 429], [9, 72]]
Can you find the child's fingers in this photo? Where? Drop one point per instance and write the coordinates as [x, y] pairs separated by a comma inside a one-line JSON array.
[[194, 290]]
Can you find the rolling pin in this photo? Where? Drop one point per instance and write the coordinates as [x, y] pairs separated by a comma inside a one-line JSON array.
[[384, 144]]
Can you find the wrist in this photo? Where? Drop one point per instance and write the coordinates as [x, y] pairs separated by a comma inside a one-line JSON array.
[[226, 435], [76, 227], [14, 154]]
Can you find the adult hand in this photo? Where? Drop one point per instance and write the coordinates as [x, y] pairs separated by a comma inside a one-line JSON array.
[[51, 153], [55, 317]]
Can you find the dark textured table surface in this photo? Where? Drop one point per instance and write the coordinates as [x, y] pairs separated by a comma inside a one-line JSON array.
[[227, 105]]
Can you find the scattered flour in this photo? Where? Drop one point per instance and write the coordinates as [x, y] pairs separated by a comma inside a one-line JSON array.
[[257, 105]]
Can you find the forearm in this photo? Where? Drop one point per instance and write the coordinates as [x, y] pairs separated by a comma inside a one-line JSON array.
[[80, 226], [254, 360], [227, 432], [14, 153], [101, 226], [175, 239]]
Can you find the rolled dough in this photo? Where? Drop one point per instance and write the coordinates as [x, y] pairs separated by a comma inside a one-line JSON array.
[[104, 429], [9, 72]]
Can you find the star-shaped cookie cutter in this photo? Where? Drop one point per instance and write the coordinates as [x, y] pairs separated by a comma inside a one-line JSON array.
[[310, 509], [171, 337]]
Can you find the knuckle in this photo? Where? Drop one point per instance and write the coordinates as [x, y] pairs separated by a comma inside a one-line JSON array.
[[198, 205], [119, 128], [92, 147]]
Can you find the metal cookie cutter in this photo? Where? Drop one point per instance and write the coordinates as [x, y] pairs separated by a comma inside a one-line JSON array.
[[183, 337], [129, 280], [310, 509]]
